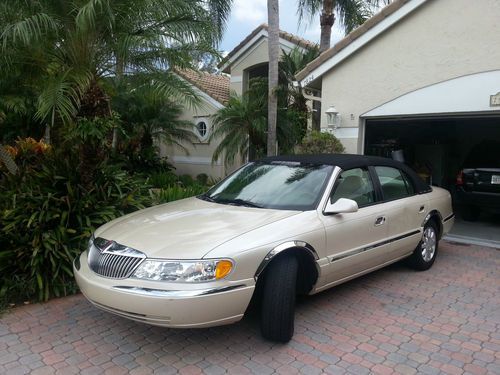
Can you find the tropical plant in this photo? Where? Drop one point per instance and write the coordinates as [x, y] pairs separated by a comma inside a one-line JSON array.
[[350, 13], [240, 125], [145, 118], [46, 216], [292, 93], [75, 45], [320, 143]]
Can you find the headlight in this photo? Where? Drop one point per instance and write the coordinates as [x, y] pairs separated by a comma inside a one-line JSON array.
[[184, 271]]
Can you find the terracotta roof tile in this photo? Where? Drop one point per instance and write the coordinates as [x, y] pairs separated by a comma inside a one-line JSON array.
[[352, 36], [283, 34], [214, 85]]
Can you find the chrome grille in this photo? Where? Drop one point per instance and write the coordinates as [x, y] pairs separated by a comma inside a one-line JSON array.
[[110, 259]]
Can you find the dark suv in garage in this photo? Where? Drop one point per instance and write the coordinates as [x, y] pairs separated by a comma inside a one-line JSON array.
[[478, 182]]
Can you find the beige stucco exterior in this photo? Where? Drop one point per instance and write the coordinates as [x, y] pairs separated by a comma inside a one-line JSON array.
[[252, 56], [199, 157], [438, 41], [256, 55]]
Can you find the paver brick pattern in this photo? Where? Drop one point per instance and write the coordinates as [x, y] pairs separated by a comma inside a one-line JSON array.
[[394, 321]]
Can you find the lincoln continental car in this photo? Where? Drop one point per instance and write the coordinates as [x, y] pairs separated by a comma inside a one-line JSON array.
[[275, 228]]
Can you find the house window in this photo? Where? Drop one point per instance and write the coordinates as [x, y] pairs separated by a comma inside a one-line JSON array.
[[202, 128]]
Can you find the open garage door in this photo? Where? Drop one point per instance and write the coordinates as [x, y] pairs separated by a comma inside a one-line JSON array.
[[437, 148]]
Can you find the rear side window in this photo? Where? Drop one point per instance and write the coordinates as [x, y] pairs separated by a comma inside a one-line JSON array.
[[395, 184], [354, 184]]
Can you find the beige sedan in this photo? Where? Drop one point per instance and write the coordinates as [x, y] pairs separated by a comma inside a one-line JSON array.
[[275, 228]]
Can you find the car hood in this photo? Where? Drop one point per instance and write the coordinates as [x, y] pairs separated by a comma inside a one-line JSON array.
[[186, 229]]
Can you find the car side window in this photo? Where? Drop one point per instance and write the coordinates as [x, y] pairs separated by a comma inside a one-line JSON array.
[[354, 184], [394, 184]]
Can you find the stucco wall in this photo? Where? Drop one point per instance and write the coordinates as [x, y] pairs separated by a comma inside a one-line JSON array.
[[256, 55], [441, 40], [199, 158]]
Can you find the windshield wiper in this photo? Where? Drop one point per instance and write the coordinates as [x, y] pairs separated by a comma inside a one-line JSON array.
[[205, 197], [238, 202]]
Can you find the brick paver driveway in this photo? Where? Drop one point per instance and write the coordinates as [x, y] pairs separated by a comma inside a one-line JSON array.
[[445, 320]]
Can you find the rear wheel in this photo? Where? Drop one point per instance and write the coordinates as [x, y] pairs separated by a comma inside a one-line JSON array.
[[278, 299], [424, 255]]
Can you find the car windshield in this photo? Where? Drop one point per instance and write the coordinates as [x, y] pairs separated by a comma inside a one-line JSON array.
[[277, 185]]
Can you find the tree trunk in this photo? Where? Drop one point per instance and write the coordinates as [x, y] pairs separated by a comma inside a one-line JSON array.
[[94, 104], [274, 50], [327, 20]]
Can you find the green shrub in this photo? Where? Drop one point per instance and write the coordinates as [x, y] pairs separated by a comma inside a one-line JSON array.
[[186, 180], [176, 192], [47, 216], [202, 179], [320, 143], [162, 179]]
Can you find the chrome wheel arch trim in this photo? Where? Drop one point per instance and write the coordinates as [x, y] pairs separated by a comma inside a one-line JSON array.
[[430, 215], [287, 246]]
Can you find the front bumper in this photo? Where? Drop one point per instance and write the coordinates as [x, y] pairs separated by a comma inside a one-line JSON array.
[[166, 304]]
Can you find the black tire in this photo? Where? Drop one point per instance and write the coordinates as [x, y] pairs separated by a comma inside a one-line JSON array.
[[425, 253], [278, 299], [470, 213]]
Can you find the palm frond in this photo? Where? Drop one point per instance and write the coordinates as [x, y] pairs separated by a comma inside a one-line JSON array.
[[62, 96], [92, 12], [28, 30]]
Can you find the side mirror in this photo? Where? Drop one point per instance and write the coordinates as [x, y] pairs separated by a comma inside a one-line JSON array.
[[343, 205]]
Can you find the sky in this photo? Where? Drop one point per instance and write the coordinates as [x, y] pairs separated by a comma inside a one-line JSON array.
[[246, 15]]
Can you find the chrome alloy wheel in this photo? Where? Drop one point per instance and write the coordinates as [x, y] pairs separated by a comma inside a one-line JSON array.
[[428, 246]]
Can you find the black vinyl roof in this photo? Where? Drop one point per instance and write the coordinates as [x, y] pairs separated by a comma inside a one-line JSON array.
[[349, 161]]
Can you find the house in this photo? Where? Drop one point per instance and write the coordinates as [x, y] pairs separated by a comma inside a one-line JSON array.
[[213, 91], [421, 77], [249, 59]]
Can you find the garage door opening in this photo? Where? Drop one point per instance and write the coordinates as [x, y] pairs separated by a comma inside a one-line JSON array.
[[437, 149]]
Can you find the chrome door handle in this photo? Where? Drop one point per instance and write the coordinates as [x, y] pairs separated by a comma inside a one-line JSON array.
[[380, 220]]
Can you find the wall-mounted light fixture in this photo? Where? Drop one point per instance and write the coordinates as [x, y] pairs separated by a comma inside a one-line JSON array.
[[332, 117]]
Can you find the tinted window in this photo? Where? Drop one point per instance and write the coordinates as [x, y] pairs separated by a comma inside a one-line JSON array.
[[354, 184], [394, 185]]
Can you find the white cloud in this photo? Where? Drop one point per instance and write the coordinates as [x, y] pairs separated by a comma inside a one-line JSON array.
[[250, 11]]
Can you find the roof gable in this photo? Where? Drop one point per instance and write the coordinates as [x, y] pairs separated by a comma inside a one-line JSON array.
[[364, 34], [262, 32]]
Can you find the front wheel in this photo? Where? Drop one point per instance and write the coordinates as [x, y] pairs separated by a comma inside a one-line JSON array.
[[424, 255], [278, 299]]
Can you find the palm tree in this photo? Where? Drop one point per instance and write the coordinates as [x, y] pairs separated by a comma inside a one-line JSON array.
[[274, 51], [291, 93], [241, 125], [78, 44], [351, 14], [147, 118]]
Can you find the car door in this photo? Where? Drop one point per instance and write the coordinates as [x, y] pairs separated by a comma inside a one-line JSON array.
[[405, 211], [355, 240]]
